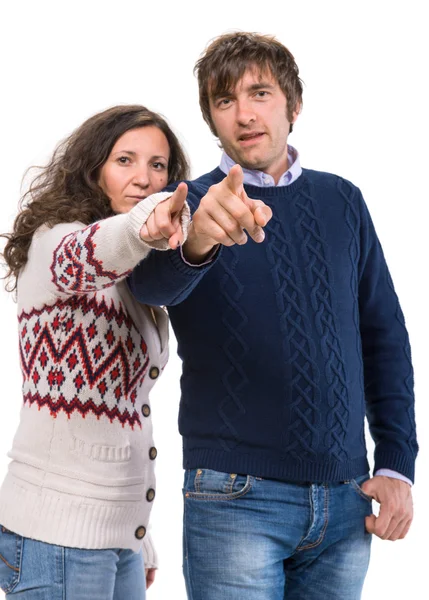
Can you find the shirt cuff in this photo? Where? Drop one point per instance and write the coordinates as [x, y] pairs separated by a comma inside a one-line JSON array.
[[393, 475], [208, 260]]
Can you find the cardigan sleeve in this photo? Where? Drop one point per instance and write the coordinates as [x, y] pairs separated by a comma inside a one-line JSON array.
[[166, 279], [83, 259], [149, 553], [388, 371]]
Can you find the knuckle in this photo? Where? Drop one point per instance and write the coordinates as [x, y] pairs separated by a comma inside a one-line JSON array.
[[204, 203], [226, 240], [391, 507], [243, 211], [163, 222], [401, 511], [229, 227]]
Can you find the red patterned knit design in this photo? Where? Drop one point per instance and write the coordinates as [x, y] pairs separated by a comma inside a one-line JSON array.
[[75, 268], [83, 356]]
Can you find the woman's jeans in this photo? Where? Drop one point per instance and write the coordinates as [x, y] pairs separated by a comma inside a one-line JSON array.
[[31, 570], [254, 539]]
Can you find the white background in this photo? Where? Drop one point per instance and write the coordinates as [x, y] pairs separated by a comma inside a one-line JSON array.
[[364, 65]]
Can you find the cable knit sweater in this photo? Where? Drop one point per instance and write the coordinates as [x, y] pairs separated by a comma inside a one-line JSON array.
[[287, 344], [82, 469]]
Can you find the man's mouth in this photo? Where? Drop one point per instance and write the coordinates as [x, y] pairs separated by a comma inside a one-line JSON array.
[[249, 138]]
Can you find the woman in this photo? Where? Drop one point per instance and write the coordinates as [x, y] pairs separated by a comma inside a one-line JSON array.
[[75, 504]]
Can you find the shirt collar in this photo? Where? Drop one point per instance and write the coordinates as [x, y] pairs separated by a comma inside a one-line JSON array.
[[261, 179]]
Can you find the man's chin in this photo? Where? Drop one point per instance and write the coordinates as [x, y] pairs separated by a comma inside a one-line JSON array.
[[252, 165], [247, 161]]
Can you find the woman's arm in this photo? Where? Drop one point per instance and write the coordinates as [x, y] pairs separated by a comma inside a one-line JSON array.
[[86, 259]]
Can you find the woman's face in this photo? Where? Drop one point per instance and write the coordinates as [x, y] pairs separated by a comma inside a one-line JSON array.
[[136, 167]]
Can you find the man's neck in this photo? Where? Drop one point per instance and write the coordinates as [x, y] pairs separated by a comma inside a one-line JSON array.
[[265, 178]]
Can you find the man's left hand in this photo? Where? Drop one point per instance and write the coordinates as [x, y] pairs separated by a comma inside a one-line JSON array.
[[396, 507]]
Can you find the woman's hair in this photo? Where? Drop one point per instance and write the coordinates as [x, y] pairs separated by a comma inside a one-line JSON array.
[[227, 58], [67, 189]]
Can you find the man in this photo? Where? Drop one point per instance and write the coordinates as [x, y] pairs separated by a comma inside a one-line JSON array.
[[287, 339]]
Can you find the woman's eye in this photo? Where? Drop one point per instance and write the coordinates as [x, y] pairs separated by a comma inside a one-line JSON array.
[[123, 160], [159, 166]]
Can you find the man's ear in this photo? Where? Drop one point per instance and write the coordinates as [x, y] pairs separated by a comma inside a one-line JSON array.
[[295, 115], [296, 112]]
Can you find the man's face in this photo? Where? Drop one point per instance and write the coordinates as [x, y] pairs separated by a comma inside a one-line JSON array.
[[252, 125]]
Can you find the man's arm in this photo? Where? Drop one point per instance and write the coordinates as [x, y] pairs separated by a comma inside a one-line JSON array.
[[165, 279], [220, 218], [389, 391]]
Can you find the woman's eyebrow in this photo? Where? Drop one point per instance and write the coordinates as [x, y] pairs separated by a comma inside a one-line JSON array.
[[125, 152]]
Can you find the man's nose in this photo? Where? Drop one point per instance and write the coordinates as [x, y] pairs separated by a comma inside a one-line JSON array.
[[245, 113]]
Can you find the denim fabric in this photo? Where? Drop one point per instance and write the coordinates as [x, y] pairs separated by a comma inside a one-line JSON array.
[[31, 570], [245, 537]]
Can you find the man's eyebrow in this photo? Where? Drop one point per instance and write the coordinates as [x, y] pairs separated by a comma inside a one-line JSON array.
[[221, 94], [261, 85]]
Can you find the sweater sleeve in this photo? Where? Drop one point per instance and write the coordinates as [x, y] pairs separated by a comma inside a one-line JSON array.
[[149, 553], [87, 259], [164, 278], [388, 372]]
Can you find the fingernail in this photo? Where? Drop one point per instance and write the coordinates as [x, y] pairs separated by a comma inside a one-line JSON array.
[[260, 237]]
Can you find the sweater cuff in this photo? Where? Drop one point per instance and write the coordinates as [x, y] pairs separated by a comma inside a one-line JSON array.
[[394, 461], [149, 553], [142, 211]]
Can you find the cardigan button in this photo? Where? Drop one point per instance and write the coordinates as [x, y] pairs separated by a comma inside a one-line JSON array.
[[150, 495], [153, 453], [140, 532], [146, 410], [154, 372]]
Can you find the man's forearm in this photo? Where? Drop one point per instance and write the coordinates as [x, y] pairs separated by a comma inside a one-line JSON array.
[[165, 279]]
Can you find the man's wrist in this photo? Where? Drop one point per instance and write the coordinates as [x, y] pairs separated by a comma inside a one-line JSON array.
[[194, 250], [200, 263], [393, 475]]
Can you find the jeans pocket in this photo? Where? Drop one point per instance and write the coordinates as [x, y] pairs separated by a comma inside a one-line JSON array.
[[10, 559], [206, 484], [356, 485]]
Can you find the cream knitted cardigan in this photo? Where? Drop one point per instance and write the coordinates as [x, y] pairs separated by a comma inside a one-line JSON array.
[[82, 468]]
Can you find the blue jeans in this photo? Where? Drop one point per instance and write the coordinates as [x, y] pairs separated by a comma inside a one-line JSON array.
[[31, 570], [245, 537]]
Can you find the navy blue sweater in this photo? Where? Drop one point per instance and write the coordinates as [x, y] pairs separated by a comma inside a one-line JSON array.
[[287, 344]]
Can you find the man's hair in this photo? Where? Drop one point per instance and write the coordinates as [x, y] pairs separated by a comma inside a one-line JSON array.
[[228, 56]]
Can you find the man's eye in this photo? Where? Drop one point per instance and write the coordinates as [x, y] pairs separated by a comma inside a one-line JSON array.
[[262, 94], [224, 102]]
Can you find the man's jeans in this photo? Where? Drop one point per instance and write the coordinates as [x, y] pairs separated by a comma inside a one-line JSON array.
[[31, 570], [254, 539]]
